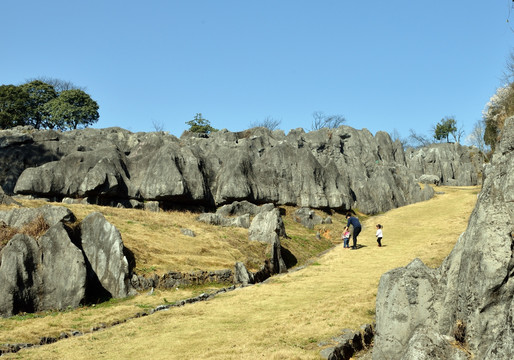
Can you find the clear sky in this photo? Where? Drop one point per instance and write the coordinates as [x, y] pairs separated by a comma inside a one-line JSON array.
[[383, 65]]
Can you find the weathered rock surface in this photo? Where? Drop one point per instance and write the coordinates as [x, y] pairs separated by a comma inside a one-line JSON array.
[[242, 275], [41, 275], [308, 218], [238, 208], [103, 248], [63, 268], [268, 227], [421, 312], [338, 168], [51, 214], [6, 199], [430, 179], [218, 219], [452, 164]]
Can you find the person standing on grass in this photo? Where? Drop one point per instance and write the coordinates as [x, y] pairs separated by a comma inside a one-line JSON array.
[[346, 238], [379, 234], [352, 220]]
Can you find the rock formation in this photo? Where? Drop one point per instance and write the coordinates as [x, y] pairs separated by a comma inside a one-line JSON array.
[[268, 227], [309, 218], [464, 308], [339, 168], [6, 199], [64, 267], [451, 164]]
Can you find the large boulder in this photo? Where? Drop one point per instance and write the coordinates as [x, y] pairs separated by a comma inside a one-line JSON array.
[[6, 199], [422, 312], [41, 275], [268, 227], [307, 217], [242, 221], [238, 208], [99, 172], [103, 249], [63, 267], [18, 281], [51, 214], [62, 270]]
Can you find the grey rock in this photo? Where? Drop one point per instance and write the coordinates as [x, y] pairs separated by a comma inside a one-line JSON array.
[[51, 214], [242, 275], [6, 199], [238, 208], [307, 217], [426, 345], [242, 221], [268, 227], [63, 270], [18, 281], [41, 275], [330, 168], [103, 249], [100, 172], [188, 232], [135, 204], [419, 309], [453, 164], [152, 206], [430, 179]]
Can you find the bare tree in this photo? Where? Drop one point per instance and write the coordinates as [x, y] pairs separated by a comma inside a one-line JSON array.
[[158, 125], [476, 138], [459, 133], [395, 136], [418, 140], [320, 120], [268, 122]]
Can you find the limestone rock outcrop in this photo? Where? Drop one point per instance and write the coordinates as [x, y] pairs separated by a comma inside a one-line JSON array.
[[452, 164], [6, 199], [64, 267], [339, 168], [103, 249], [268, 227], [424, 313]]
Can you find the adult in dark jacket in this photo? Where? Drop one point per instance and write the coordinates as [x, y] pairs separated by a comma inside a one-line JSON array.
[[352, 220]]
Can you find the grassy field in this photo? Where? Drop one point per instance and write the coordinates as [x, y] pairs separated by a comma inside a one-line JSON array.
[[284, 318]]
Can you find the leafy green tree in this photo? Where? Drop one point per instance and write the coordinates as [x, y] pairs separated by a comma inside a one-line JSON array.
[[39, 94], [13, 106], [200, 125], [444, 128], [70, 110]]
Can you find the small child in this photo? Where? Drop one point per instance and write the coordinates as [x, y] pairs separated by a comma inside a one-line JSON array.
[[379, 234], [346, 238]]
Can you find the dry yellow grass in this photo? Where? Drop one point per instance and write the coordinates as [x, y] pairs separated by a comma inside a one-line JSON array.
[[286, 317], [159, 246]]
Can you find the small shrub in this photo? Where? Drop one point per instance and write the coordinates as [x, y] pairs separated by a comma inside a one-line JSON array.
[[34, 229], [459, 332]]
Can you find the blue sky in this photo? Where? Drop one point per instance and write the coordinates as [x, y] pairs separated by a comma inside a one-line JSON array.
[[399, 64]]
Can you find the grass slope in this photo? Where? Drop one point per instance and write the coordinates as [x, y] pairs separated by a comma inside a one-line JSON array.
[[284, 318]]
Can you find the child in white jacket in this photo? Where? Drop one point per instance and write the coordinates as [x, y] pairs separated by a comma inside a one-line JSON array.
[[379, 234]]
